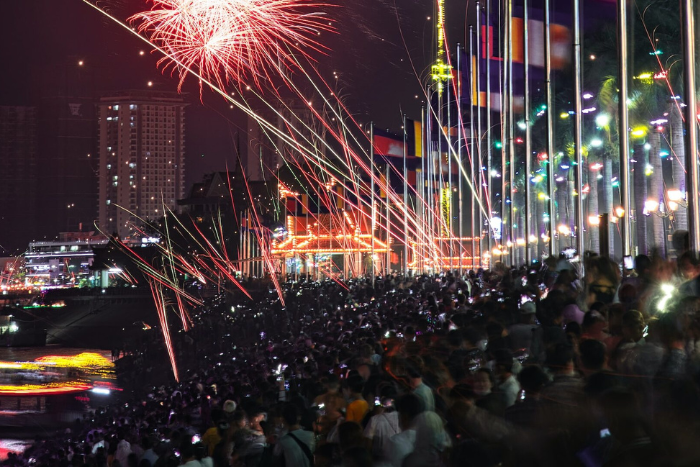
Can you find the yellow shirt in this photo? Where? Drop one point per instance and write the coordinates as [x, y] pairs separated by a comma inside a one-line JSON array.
[[356, 411], [211, 438]]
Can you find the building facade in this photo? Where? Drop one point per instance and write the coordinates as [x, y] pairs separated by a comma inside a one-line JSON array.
[[67, 165], [65, 261], [142, 158], [18, 178]]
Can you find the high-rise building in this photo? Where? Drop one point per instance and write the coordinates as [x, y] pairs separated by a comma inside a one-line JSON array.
[[142, 158], [18, 178]]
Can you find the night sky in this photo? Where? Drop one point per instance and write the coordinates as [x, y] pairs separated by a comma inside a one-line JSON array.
[[376, 77]]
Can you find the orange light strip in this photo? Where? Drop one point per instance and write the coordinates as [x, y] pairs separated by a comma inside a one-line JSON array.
[[38, 390]]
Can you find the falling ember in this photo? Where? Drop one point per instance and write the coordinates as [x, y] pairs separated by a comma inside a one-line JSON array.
[[159, 300], [232, 40]]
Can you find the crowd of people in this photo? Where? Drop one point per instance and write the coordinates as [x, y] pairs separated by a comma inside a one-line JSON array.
[[533, 366]]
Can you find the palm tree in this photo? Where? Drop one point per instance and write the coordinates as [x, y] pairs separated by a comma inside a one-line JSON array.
[[675, 121], [656, 187]]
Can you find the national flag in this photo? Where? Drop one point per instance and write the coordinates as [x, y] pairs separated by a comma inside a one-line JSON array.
[[414, 136], [291, 205], [382, 184], [561, 51], [387, 144], [340, 196], [304, 204]]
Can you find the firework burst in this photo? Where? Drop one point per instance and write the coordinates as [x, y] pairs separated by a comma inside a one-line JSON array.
[[231, 41]]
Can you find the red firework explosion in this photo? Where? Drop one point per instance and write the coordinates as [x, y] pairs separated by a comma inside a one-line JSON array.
[[230, 41]]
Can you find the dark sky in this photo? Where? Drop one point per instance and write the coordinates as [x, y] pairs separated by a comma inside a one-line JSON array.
[[367, 52]]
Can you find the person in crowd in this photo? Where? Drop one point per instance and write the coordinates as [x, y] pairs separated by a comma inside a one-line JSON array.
[[409, 407], [383, 425], [431, 441], [331, 403], [357, 406], [527, 408], [522, 333], [149, 454], [508, 384], [297, 445], [483, 383], [436, 370], [421, 389]]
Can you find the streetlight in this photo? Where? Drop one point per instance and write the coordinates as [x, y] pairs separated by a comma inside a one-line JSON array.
[[619, 212], [602, 120], [651, 206], [676, 199], [675, 195], [594, 220]]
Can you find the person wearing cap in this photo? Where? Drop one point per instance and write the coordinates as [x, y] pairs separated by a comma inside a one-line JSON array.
[[229, 407]]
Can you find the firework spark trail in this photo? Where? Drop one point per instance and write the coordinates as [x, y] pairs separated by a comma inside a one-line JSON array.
[[380, 182], [212, 252], [184, 316], [159, 301], [369, 169], [676, 102], [471, 183], [264, 244], [264, 124]]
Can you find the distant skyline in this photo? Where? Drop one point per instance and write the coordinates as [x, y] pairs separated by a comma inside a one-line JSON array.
[[52, 48], [367, 52]]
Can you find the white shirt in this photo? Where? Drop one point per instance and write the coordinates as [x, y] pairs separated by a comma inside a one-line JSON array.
[[100, 444], [123, 451], [292, 452], [510, 388], [380, 428], [399, 447], [426, 395], [150, 456]]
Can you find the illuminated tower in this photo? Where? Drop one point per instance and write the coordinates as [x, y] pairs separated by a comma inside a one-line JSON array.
[[441, 70], [441, 74]]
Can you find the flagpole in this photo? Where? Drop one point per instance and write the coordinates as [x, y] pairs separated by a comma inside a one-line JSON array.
[[624, 126], [429, 172], [691, 136], [482, 189], [550, 123], [528, 133], [511, 140], [421, 246], [459, 154], [489, 138], [505, 93], [405, 201], [371, 165], [578, 124], [388, 217], [449, 175], [472, 153]]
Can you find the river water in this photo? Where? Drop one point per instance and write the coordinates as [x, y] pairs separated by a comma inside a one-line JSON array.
[[28, 354]]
